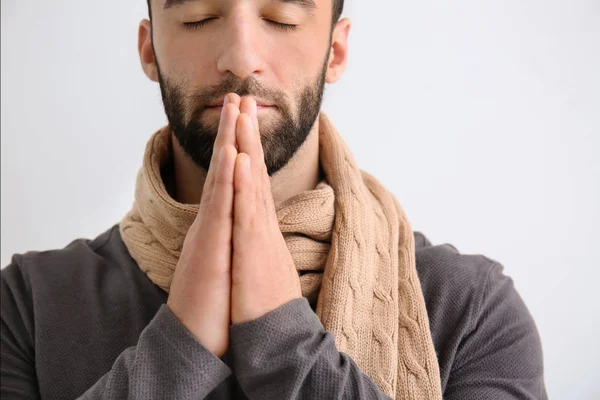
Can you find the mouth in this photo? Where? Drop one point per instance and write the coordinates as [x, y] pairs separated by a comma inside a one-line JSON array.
[[259, 108]]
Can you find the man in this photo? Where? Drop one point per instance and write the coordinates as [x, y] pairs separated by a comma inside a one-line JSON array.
[[258, 260]]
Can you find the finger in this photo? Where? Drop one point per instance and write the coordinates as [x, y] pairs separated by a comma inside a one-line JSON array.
[[248, 141], [253, 113], [248, 106], [219, 215], [226, 131], [225, 137], [244, 196]]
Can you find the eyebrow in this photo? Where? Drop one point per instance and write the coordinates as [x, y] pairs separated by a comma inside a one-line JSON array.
[[306, 4]]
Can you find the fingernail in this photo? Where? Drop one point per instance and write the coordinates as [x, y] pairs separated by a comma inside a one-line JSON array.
[[255, 108], [226, 100], [247, 164]]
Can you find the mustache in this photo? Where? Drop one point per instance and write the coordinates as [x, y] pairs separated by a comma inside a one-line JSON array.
[[201, 98]]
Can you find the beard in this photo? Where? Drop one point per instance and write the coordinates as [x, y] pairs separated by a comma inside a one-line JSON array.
[[281, 138]]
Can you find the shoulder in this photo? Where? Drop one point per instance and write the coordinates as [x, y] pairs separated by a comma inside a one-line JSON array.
[[87, 298], [40, 283], [85, 277], [479, 323], [451, 281], [455, 286], [58, 268]]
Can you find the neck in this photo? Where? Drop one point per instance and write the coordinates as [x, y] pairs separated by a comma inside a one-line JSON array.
[[302, 173]]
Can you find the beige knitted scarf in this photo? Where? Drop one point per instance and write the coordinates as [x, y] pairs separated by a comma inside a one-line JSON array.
[[354, 251]]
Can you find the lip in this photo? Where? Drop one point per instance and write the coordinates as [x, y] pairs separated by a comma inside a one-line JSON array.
[[219, 108], [259, 102]]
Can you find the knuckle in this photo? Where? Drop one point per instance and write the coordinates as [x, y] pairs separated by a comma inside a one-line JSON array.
[[218, 211], [210, 179], [222, 182], [245, 224]]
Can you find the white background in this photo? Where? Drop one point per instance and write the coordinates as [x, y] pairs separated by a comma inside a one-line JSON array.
[[482, 117]]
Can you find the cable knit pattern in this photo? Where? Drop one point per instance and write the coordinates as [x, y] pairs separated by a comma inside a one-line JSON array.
[[353, 248]]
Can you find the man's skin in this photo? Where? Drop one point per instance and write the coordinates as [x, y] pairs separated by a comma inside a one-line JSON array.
[[235, 266]]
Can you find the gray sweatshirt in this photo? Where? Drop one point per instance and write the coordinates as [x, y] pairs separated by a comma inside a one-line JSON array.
[[85, 322]]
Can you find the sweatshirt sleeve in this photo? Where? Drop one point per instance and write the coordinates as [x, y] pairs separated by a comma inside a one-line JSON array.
[[167, 362], [287, 354], [501, 357]]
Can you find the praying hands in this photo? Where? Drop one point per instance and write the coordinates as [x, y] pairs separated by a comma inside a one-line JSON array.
[[235, 266]]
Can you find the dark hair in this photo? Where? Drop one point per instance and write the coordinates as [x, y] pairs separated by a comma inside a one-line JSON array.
[[338, 7]]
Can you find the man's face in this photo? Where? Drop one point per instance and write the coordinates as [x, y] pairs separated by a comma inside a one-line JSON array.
[[242, 48]]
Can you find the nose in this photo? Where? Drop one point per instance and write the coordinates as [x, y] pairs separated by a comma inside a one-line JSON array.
[[240, 43]]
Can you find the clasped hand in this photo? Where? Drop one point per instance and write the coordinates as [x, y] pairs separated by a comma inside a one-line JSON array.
[[234, 266]]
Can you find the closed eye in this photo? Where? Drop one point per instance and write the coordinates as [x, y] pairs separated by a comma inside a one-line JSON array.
[[199, 24], [283, 27]]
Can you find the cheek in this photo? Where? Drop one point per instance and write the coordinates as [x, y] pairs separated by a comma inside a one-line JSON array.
[[185, 59], [296, 64], [196, 65]]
